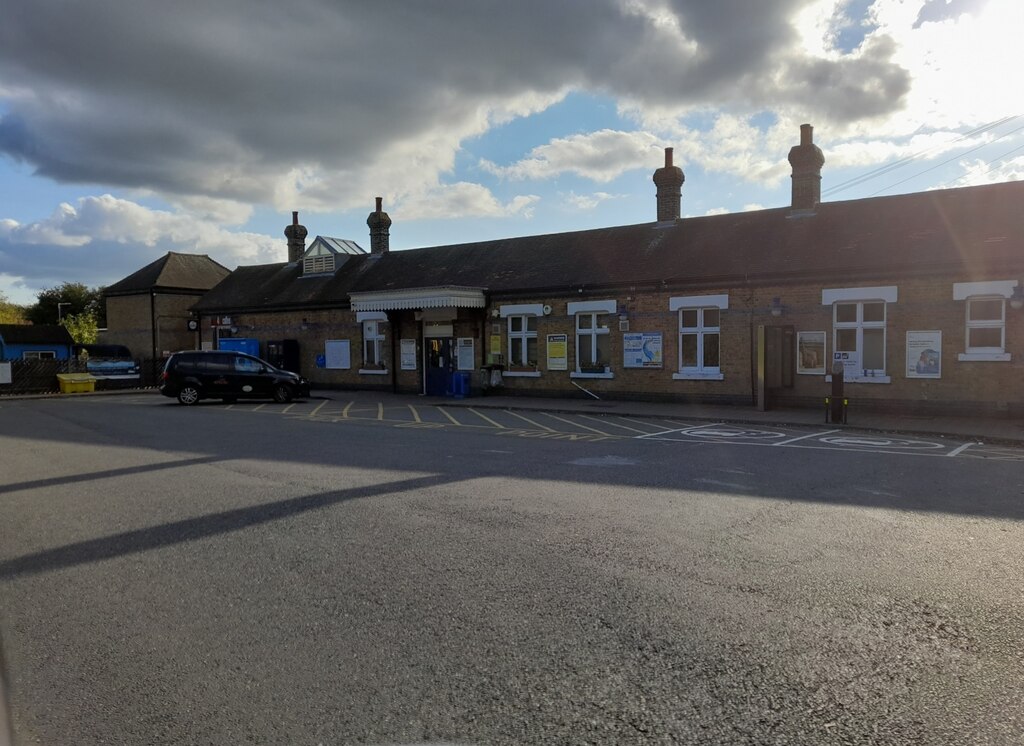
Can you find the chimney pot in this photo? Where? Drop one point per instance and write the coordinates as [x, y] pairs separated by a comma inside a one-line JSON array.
[[668, 157], [806, 160], [295, 217], [379, 223]]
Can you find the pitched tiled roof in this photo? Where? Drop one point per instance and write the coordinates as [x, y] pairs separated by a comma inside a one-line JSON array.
[[39, 334], [173, 271], [283, 286], [972, 232]]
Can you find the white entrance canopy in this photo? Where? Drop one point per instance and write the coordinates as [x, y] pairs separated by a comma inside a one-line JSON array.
[[419, 298]]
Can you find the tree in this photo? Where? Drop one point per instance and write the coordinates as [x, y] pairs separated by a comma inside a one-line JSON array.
[[74, 299], [11, 313], [82, 327]]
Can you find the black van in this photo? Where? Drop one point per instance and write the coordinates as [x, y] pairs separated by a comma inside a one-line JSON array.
[[227, 375]]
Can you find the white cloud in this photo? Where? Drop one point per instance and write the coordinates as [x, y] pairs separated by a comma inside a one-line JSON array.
[[589, 201], [981, 172], [600, 156], [102, 239], [462, 200]]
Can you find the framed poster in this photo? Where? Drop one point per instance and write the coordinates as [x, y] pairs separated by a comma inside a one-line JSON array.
[[5, 373], [641, 350], [558, 355], [408, 354], [337, 354], [464, 353], [810, 353], [924, 354]]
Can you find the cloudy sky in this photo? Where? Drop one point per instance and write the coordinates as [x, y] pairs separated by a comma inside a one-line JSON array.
[[131, 129]]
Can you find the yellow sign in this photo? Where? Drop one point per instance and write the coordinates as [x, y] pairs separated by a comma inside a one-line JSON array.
[[558, 357], [495, 344]]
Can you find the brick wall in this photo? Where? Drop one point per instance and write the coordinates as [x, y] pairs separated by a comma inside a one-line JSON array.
[[923, 304]]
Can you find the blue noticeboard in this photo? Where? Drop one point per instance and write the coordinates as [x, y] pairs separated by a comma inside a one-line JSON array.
[[240, 344]]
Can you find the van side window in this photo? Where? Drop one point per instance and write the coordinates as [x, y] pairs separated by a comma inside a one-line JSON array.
[[219, 364], [246, 365]]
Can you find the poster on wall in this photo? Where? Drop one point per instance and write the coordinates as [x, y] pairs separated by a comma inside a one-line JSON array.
[[408, 354], [850, 361], [558, 358], [924, 354], [810, 352], [337, 354], [641, 350], [5, 373], [464, 353]]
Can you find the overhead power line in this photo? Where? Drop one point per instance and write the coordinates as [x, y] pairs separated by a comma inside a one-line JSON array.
[[948, 160], [906, 160]]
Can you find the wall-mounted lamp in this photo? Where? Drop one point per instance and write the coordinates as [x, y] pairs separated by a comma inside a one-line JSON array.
[[305, 325], [1017, 299], [776, 307]]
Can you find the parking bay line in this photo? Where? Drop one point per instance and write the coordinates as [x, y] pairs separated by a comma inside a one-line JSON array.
[[442, 411], [613, 424], [415, 414], [527, 419], [580, 424], [485, 417]]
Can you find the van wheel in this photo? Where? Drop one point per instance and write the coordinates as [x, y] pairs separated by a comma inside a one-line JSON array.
[[282, 393], [188, 395]]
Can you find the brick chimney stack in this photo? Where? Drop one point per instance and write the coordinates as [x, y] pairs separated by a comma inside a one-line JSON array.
[[296, 235], [669, 180], [380, 225], [806, 160]]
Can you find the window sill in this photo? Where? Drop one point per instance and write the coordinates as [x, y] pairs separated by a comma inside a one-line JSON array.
[[698, 377], [520, 374], [863, 379], [987, 357], [577, 374], [373, 371]]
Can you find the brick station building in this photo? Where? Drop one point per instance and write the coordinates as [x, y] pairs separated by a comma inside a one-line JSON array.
[[917, 297]]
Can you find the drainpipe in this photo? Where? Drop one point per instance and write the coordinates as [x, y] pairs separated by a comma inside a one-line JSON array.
[[393, 328], [152, 320]]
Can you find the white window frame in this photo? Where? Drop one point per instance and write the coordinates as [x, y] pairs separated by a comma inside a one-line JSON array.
[[373, 339], [690, 303], [699, 371], [987, 291], [874, 375], [519, 341], [589, 337], [39, 355], [985, 353]]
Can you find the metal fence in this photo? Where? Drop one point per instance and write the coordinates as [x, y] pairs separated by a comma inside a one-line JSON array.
[[40, 376]]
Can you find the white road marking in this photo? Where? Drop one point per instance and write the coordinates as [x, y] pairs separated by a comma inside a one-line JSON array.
[[802, 437], [960, 450], [613, 424]]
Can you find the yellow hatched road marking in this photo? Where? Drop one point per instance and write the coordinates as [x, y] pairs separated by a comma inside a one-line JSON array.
[[287, 408], [344, 412], [649, 424], [454, 421], [415, 414], [258, 408], [614, 424], [380, 410], [318, 408], [480, 414], [580, 424], [532, 422]]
